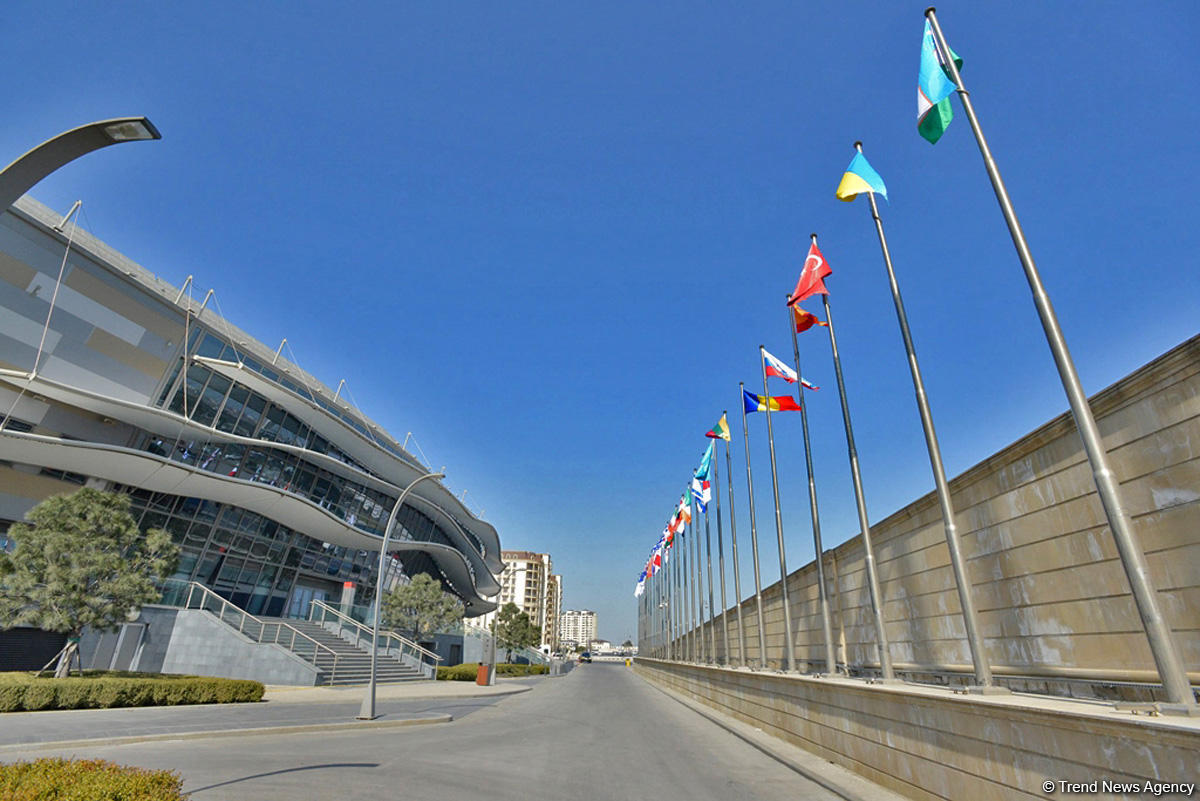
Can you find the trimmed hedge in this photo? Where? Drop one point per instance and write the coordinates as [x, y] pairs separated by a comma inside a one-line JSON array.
[[24, 692], [86, 780], [469, 670], [520, 670]]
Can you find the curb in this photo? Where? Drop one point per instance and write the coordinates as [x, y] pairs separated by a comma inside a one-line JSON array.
[[381, 697], [200, 735]]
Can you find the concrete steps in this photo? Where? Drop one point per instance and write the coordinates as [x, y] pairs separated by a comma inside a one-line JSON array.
[[353, 662]]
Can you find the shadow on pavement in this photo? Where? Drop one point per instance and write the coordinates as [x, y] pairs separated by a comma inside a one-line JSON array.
[[287, 770]]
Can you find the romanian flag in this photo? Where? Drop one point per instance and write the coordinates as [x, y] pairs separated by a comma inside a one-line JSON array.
[[860, 177], [812, 276], [934, 88], [720, 430], [778, 403], [805, 320]]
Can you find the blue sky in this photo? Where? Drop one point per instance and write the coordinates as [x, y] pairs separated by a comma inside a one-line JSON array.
[[548, 238]]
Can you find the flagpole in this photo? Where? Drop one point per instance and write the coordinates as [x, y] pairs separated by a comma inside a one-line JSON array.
[[698, 553], [1133, 559], [687, 590], [790, 660], [708, 568], [762, 630], [983, 671], [721, 554], [822, 594], [737, 574], [697, 586], [881, 641]]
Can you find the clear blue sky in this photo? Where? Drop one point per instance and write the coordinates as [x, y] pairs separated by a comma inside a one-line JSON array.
[[547, 239]]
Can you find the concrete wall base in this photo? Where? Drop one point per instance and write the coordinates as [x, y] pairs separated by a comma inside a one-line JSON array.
[[929, 743]]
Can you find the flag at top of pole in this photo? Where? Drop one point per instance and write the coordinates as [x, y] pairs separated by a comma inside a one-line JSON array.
[[777, 368], [812, 277], [805, 320], [720, 430], [934, 87], [860, 177]]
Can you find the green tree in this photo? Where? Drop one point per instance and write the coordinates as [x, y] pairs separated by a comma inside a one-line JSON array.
[[514, 630], [420, 607], [627, 644], [81, 561]]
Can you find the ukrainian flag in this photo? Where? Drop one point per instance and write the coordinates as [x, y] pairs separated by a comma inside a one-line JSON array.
[[860, 177]]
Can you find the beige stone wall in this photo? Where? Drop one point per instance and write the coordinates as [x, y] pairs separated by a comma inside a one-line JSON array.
[[930, 744], [1052, 596]]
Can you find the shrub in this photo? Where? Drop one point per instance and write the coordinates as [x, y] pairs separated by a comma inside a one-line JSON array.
[[22, 691], [463, 672], [84, 780]]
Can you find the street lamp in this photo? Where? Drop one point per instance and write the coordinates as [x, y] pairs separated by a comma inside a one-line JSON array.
[[19, 177], [367, 712]]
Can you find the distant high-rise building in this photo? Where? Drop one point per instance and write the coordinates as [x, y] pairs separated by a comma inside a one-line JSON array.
[[577, 626], [528, 583], [550, 636]]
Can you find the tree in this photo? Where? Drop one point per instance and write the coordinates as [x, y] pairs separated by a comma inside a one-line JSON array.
[[420, 607], [81, 562], [627, 644], [514, 630]]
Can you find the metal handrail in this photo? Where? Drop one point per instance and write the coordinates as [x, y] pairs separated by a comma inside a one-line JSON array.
[[242, 617], [363, 632]]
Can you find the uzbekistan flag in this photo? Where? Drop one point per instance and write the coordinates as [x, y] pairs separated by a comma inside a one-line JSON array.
[[860, 177], [720, 430], [777, 368], [812, 277], [934, 88], [805, 320], [778, 403]]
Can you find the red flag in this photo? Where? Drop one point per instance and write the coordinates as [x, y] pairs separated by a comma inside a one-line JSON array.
[[805, 320], [811, 277]]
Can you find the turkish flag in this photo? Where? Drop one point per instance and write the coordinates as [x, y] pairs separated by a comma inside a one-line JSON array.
[[811, 277]]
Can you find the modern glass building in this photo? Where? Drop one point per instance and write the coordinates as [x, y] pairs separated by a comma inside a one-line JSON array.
[[275, 488]]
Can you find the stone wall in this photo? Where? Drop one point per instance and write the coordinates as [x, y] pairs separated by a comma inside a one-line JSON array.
[[930, 744], [1052, 596]]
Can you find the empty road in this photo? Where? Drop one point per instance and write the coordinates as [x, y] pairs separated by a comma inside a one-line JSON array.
[[600, 732]]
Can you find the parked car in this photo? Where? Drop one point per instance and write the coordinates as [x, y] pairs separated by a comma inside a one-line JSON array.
[[586, 656]]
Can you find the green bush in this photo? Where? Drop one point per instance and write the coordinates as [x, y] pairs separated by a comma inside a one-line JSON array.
[[25, 692], [468, 671], [86, 779], [464, 672]]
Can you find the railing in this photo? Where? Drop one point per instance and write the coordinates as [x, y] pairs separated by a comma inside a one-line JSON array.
[[531, 655], [391, 643], [193, 595]]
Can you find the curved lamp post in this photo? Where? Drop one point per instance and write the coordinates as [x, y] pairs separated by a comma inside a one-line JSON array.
[[19, 177], [367, 712]]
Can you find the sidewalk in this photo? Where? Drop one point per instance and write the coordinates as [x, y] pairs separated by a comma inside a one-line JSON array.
[[283, 709]]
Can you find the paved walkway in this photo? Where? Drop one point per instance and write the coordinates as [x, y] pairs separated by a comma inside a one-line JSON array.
[[282, 709]]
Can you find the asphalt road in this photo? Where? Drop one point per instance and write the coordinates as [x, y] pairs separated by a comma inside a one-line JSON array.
[[599, 732]]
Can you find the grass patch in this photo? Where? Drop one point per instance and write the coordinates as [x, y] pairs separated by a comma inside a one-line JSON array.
[[85, 780], [97, 689]]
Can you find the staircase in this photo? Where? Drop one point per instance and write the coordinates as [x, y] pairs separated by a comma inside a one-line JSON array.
[[353, 663]]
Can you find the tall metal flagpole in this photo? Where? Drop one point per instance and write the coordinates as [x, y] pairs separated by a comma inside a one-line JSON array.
[[790, 660], [737, 573], [1133, 559], [721, 557], [762, 629], [689, 644], [881, 642], [712, 612], [822, 594], [983, 671], [699, 583]]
